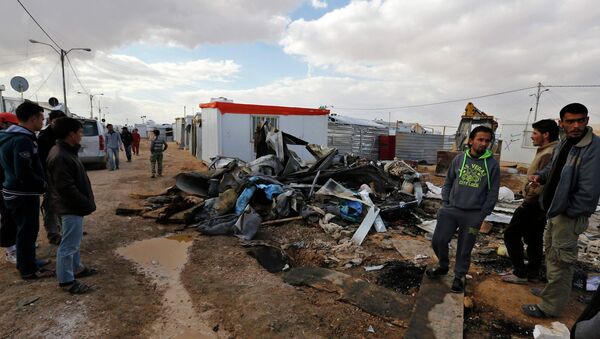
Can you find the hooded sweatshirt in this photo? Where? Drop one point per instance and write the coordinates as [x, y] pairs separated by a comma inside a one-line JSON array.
[[20, 160], [472, 183]]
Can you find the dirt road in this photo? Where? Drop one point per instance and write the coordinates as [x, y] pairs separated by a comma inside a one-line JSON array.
[[223, 292], [124, 302]]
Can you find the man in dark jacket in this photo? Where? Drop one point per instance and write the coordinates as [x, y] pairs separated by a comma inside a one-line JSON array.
[[24, 182], [46, 140], [127, 139], [570, 197], [72, 198], [469, 195], [8, 229], [529, 220]]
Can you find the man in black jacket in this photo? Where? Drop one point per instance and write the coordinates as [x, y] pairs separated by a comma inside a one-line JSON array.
[[72, 198], [24, 182], [46, 140], [127, 139]]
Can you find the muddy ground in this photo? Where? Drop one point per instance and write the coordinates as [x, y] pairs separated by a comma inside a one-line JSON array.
[[230, 292]]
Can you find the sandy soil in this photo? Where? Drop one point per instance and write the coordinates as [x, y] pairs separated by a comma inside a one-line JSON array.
[[230, 292]]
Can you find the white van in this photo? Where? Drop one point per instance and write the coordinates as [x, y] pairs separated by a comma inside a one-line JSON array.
[[93, 145]]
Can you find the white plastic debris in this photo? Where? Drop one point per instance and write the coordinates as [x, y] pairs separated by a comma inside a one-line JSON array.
[[557, 331], [374, 268], [371, 329], [505, 194]]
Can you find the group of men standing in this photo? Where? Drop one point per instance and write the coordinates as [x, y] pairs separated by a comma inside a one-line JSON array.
[[559, 198], [124, 141], [49, 166]]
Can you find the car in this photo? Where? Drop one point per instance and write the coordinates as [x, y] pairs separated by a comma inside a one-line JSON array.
[[93, 145]]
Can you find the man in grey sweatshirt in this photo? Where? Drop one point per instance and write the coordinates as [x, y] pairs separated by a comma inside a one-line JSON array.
[[469, 194]]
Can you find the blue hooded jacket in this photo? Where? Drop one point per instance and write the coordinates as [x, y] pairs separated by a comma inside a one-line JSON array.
[[19, 158]]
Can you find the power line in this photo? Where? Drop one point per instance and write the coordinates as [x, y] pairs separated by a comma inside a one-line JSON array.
[[572, 86], [75, 73], [48, 77], [38, 24], [436, 103]]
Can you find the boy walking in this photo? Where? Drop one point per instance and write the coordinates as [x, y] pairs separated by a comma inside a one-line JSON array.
[[469, 195], [157, 146], [73, 199]]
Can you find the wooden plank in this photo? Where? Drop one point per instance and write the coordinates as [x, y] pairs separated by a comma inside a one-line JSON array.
[[373, 299], [438, 312]]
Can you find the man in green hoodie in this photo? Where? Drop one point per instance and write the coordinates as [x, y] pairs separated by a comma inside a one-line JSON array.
[[469, 194]]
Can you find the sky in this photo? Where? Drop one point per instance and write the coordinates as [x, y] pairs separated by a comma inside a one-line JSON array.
[[364, 59]]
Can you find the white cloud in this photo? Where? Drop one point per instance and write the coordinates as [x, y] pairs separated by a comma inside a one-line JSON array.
[[318, 3], [449, 49]]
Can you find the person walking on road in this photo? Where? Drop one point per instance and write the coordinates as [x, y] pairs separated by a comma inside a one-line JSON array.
[[570, 196], [529, 219], [73, 199], [135, 144], [113, 144], [24, 182], [127, 140], [469, 194], [157, 146], [8, 229], [46, 140]]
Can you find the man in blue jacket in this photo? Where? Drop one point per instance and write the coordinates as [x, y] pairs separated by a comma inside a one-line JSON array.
[[469, 194], [570, 197], [24, 182]]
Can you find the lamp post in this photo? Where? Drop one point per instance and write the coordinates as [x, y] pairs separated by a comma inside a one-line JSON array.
[[91, 102], [100, 114], [62, 54], [143, 117]]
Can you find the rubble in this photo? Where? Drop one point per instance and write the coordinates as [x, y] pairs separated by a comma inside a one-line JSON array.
[[349, 202]]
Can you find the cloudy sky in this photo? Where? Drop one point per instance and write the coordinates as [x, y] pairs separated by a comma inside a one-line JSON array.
[[367, 59]]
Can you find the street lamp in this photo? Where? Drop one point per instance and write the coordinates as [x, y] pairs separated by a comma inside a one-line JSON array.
[[62, 54], [91, 102], [100, 114], [143, 117]]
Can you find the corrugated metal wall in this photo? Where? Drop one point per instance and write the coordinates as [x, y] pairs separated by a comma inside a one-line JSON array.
[[411, 146], [355, 139]]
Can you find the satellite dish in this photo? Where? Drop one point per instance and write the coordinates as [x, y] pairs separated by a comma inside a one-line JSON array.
[[53, 101], [19, 84]]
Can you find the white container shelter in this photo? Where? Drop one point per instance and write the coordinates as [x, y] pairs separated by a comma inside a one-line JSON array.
[[228, 128]]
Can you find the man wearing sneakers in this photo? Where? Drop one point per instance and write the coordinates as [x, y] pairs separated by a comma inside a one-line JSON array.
[[24, 182], [469, 194], [8, 229], [73, 199], [157, 146], [570, 196], [529, 219]]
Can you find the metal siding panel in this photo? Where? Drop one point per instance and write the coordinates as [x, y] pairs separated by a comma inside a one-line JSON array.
[[411, 146]]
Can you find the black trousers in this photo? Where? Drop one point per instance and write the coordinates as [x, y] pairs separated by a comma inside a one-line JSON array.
[[526, 226], [8, 229], [25, 211]]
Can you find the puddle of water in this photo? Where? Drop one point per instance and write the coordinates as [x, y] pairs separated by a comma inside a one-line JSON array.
[[162, 259]]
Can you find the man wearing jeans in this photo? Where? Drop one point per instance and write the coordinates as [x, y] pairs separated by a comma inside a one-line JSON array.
[[73, 199], [570, 196], [24, 182], [113, 143]]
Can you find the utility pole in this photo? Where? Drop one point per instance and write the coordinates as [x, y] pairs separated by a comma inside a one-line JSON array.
[[537, 99]]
